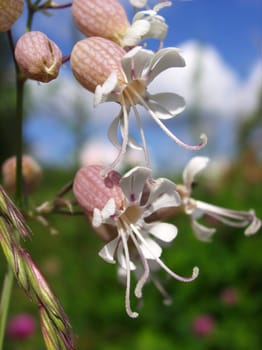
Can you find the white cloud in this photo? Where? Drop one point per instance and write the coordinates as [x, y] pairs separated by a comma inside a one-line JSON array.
[[210, 83]]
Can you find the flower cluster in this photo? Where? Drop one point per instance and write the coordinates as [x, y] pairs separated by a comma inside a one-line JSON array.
[[126, 211]]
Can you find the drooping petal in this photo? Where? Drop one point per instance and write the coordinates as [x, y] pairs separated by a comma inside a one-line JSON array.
[[135, 62], [166, 105], [112, 131], [107, 253], [162, 60], [133, 182], [194, 166], [254, 226], [164, 231], [203, 233], [151, 249]]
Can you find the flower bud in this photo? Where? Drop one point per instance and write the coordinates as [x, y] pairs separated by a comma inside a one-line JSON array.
[[106, 19], [93, 190], [10, 11], [38, 57], [94, 59], [31, 172]]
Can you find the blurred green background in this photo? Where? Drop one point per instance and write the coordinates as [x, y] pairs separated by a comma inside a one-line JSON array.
[[94, 300]]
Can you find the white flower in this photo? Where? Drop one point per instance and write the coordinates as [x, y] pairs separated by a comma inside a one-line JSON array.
[[137, 242], [138, 3], [196, 209], [139, 68], [146, 24]]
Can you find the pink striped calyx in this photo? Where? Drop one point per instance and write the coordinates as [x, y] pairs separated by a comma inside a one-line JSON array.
[[93, 190], [38, 57], [101, 18]]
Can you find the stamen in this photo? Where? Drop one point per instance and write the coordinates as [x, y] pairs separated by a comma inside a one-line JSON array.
[[143, 279], [203, 137], [140, 127], [129, 311], [160, 262]]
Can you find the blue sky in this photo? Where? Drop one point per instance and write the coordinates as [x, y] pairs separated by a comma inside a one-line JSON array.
[[231, 30], [234, 27]]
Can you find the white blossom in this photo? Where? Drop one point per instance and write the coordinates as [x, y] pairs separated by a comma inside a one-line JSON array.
[[139, 68], [146, 24], [136, 245], [197, 209]]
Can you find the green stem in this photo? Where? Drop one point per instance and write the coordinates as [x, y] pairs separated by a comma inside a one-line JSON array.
[[19, 139], [4, 305]]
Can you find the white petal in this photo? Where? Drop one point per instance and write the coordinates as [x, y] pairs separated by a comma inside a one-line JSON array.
[[135, 61], [108, 251], [133, 182], [164, 231], [135, 33], [157, 30], [151, 249], [166, 105], [162, 186], [97, 218], [194, 166], [103, 92], [165, 201], [203, 233], [109, 209], [138, 3], [164, 59]]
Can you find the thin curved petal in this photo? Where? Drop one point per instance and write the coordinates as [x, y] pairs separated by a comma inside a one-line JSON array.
[[164, 231], [203, 233], [254, 226], [194, 166], [113, 128], [166, 105], [133, 182], [162, 60]]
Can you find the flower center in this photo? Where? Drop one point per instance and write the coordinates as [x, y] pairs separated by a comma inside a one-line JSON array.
[[132, 89], [132, 214]]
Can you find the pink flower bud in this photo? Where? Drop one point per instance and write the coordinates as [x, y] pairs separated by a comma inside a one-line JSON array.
[[93, 190], [10, 11], [38, 57], [94, 59], [106, 19], [31, 172], [21, 326]]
